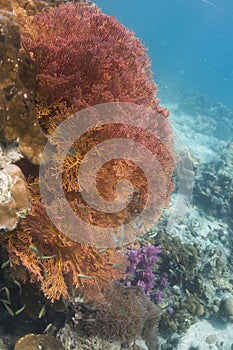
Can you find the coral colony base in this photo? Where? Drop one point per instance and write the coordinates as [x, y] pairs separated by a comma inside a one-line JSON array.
[[59, 58]]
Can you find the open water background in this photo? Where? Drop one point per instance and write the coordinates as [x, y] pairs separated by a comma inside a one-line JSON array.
[[190, 43]]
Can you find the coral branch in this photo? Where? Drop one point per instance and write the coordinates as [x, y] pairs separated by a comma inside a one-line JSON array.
[[58, 263]]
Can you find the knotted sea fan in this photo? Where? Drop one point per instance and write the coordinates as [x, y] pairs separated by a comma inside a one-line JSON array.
[[85, 58]]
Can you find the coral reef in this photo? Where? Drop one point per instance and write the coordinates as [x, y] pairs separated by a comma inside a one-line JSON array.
[[209, 117], [68, 337], [213, 189], [17, 83], [199, 271], [72, 57], [14, 197], [177, 321], [178, 260], [177, 287], [125, 316]]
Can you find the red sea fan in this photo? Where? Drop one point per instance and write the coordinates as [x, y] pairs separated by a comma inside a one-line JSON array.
[[84, 58]]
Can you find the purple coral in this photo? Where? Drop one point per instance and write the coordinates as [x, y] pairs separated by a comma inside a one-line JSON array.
[[140, 272]]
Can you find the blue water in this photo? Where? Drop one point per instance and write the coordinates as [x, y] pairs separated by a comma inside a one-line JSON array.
[[190, 43]]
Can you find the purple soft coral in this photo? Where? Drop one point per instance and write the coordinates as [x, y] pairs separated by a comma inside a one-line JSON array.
[[140, 272]]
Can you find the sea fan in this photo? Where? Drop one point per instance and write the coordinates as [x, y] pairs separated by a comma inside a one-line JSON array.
[[57, 263]]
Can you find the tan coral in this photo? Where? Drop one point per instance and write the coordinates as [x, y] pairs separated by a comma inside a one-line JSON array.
[[14, 197], [18, 120], [38, 341], [24, 8]]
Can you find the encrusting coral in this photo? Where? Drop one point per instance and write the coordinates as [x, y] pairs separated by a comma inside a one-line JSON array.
[[24, 8], [38, 341], [18, 120]]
